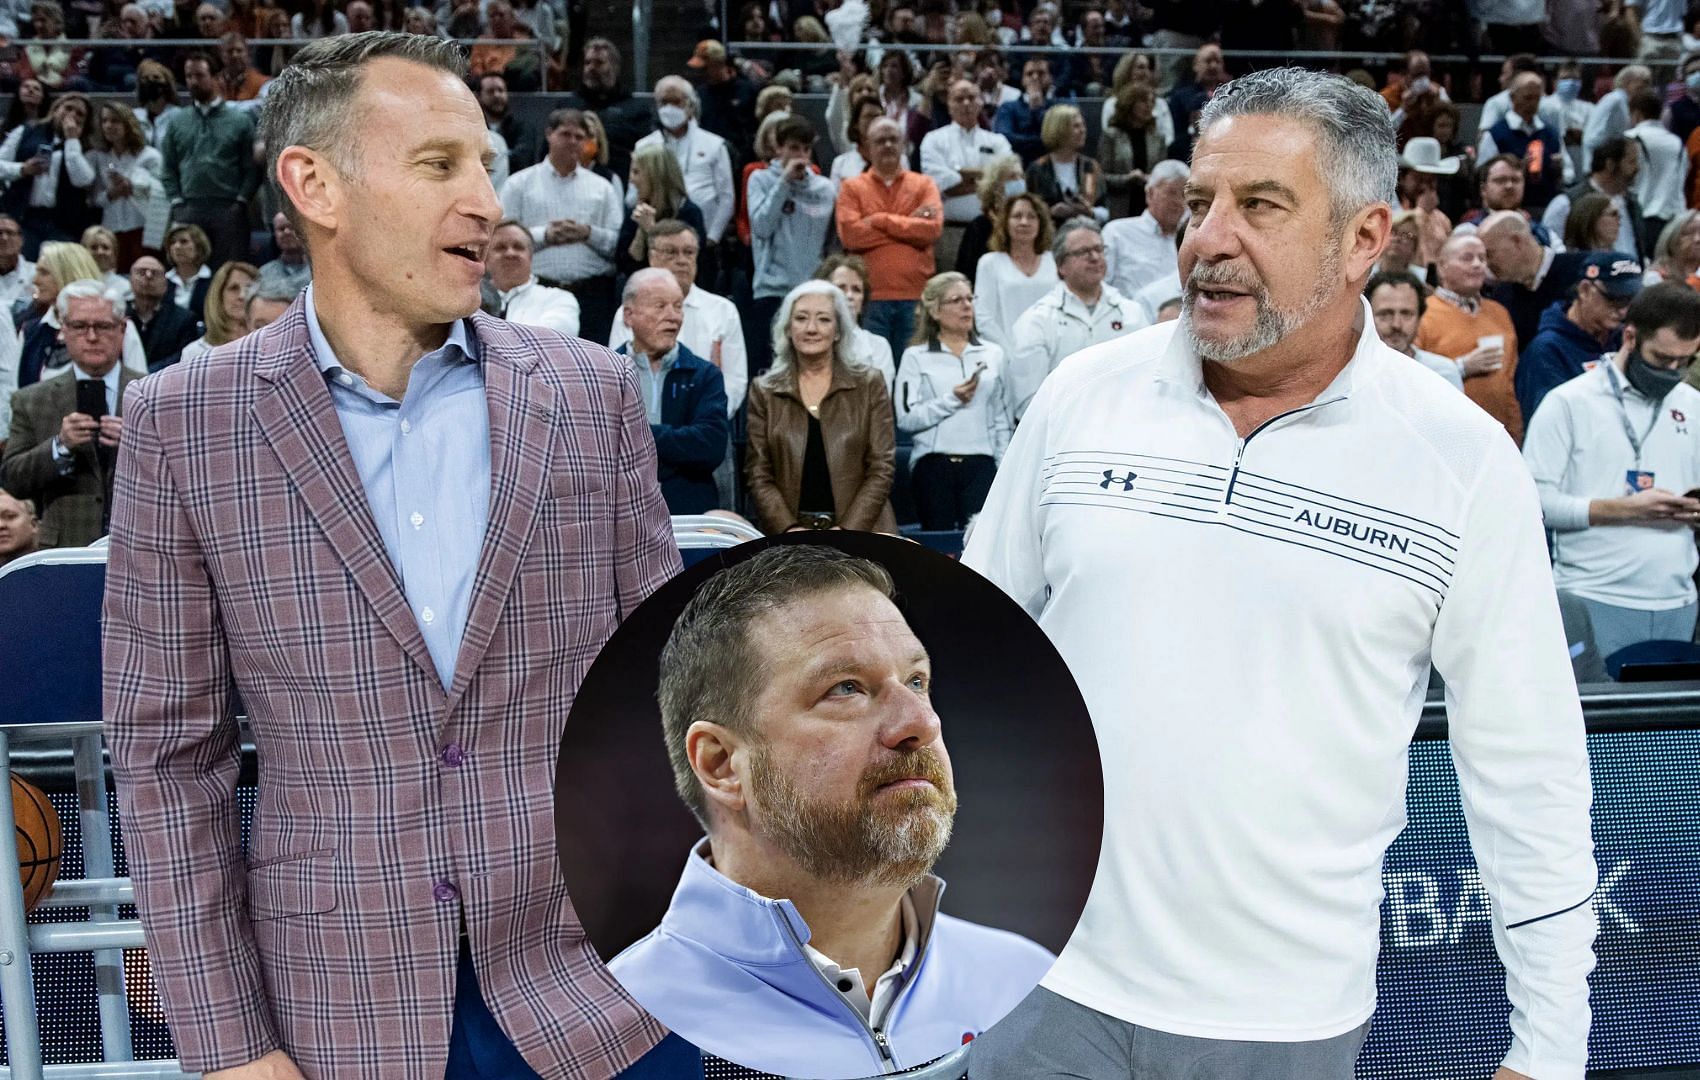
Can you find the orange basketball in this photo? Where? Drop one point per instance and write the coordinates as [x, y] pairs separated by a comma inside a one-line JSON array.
[[37, 826]]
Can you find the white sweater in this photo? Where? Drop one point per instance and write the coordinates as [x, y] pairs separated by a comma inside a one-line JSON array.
[[1002, 293], [1252, 623]]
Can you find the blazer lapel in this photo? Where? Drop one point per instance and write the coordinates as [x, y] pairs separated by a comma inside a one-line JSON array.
[[522, 420], [299, 421]]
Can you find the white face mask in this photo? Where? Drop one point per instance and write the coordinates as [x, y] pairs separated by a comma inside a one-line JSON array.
[[671, 116]]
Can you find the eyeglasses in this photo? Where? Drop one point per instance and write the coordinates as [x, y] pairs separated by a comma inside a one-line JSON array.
[[145, 272], [80, 327], [965, 300], [675, 252], [1095, 250]]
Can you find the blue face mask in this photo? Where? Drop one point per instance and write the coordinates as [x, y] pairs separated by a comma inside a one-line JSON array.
[[1012, 188], [1569, 89]]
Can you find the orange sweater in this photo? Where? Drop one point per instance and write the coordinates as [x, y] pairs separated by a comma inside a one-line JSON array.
[[878, 222], [1451, 331]]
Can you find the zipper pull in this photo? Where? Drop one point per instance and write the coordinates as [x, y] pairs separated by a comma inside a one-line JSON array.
[[884, 1045]]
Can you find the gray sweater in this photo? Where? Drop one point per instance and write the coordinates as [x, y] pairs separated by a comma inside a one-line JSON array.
[[789, 223]]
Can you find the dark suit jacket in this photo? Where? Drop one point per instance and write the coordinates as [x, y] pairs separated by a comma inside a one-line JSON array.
[[690, 441], [1528, 305], [73, 507], [244, 556], [164, 338]]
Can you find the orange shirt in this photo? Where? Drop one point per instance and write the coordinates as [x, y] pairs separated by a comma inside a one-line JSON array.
[[1451, 331], [878, 222], [249, 88]]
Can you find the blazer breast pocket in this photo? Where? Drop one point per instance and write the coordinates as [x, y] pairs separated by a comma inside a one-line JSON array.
[[572, 500], [293, 885]]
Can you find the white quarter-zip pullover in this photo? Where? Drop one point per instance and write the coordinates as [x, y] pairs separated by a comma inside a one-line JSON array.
[[1252, 624]]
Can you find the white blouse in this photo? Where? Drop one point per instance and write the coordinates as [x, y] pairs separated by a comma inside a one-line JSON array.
[[1002, 292]]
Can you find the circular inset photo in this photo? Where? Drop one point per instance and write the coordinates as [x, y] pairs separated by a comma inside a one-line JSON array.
[[773, 771]]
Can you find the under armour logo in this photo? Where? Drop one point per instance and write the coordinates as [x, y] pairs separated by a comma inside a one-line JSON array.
[[1110, 477]]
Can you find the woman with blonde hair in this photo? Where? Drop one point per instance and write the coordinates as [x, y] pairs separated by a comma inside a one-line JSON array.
[[1001, 180], [225, 313], [127, 178], [593, 154], [41, 352], [660, 189], [1017, 272], [822, 446], [1676, 256], [1071, 183], [951, 398], [99, 242]]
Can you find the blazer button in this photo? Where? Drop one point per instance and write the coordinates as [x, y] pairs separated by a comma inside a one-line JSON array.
[[444, 892], [453, 756]]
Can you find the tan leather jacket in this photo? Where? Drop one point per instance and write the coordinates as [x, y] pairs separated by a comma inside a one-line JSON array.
[[857, 427]]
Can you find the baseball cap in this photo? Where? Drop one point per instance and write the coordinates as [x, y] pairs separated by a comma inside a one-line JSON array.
[[1617, 275], [707, 51]]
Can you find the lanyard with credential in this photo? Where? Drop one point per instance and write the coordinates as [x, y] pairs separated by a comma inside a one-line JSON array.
[[1623, 415]]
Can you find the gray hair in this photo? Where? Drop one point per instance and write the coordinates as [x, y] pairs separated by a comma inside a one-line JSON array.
[[311, 102], [785, 357], [1059, 246], [1167, 171], [1630, 73], [276, 290], [88, 289], [1357, 155], [648, 274], [685, 84]]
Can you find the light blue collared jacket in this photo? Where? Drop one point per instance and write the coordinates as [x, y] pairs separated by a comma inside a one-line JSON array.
[[727, 971]]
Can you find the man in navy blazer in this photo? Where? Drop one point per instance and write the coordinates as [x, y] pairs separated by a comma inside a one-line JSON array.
[[684, 394]]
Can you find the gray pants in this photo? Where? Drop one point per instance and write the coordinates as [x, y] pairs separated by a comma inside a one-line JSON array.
[[1049, 1037], [1616, 627]]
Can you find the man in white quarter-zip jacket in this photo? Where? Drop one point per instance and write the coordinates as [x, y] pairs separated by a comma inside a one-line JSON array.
[[1251, 533]]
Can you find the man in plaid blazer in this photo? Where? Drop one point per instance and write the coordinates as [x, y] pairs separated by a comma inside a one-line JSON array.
[[402, 534]]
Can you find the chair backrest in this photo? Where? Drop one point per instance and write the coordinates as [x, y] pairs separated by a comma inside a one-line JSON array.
[[693, 524], [50, 636], [943, 541]]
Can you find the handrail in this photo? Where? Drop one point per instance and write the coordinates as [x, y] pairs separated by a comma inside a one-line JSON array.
[[1297, 56]]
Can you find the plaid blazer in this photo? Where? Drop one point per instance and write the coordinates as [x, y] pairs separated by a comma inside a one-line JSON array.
[[244, 553], [72, 507]]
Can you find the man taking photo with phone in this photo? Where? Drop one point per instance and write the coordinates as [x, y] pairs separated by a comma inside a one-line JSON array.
[[65, 430], [1612, 454]]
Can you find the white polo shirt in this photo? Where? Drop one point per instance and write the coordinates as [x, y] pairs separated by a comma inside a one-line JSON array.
[[1251, 623], [1579, 451], [1138, 253]]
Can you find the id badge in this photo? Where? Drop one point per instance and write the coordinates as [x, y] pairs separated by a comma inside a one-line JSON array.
[[1638, 481]]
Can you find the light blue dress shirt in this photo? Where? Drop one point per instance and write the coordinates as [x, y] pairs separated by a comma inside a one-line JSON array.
[[425, 464]]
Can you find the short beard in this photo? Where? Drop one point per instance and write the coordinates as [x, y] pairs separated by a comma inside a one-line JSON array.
[[1272, 324], [894, 843]]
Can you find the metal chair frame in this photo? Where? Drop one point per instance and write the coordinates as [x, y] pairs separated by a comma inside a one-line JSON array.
[[104, 933]]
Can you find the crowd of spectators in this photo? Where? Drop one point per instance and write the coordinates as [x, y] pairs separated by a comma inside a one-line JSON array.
[[838, 307]]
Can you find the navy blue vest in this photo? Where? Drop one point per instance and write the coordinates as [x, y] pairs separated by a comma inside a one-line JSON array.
[[1537, 190]]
